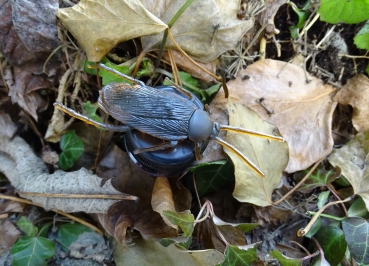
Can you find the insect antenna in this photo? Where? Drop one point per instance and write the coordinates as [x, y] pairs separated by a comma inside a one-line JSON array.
[[240, 155], [251, 133]]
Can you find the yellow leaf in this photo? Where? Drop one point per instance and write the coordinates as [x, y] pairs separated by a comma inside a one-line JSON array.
[[353, 159], [205, 30], [99, 25], [270, 156]]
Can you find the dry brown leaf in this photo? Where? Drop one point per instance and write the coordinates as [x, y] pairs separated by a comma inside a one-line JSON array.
[[271, 216], [9, 235], [196, 30], [99, 25], [210, 238], [302, 111], [28, 173], [139, 215], [162, 199], [11, 206], [22, 85], [353, 159], [355, 93], [28, 34], [270, 156]]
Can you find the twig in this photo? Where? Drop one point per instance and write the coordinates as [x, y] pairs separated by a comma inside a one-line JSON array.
[[59, 212], [299, 184], [304, 231], [79, 196]]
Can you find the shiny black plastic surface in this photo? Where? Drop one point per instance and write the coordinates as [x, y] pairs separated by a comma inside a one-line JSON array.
[[168, 162]]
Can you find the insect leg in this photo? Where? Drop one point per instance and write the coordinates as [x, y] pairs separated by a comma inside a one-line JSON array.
[[159, 147], [239, 154], [112, 70], [251, 132], [88, 120], [198, 154]]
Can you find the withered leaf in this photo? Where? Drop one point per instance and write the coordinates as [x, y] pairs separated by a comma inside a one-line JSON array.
[[205, 30], [355, 93], [301, 111], [22, 86], [28, 34], [270, 156], [139, 215], [353, 159], [99, 25]]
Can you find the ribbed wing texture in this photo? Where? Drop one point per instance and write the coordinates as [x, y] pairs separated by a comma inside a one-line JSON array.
[[158, 113]]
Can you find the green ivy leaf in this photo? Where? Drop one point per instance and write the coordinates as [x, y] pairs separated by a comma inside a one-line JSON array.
[[322, 198], [235, 256], [27, 226], [362, 37], [247, 227], [180, 240], [32, 251], [342, 181], [356, 231], [72, 148], [350, 12], [108, 77], [284, 261], [332, 241], [89, 68], [211, 92], [69, 233], [147, 69], [319, 177], [91, 109], [302, 15], [184, 220], [191, 84], [44, 229], [358, 209], [212, 177]]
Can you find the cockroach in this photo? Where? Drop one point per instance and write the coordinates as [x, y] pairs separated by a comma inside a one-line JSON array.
[[161, 114]]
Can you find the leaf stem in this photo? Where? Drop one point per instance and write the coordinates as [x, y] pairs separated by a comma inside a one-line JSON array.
[[304, 231], [299, 184], [326, 215], [170, 24]]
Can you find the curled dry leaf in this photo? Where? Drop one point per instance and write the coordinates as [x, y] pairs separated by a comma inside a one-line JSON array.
[[129, 178], [22, 85], [205, 30], [162, 199], [9, 235], [28, 34], [355, 93], [352, 158], [27, 173], [271, 216], [301, 111], [209, 236], [270, 156], [99, 25]]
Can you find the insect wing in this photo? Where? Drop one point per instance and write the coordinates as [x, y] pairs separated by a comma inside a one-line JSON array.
[[162, 114]]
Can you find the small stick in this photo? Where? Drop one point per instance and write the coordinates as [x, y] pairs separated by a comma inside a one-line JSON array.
[[79, 196], [262, 103]]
